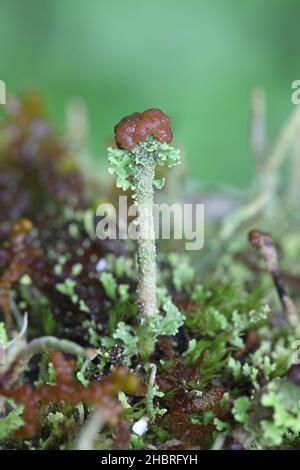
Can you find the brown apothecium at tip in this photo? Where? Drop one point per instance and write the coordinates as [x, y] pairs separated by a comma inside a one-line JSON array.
[[138, 126]]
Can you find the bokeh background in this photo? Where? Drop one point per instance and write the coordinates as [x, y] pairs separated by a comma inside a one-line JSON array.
[[197, 60]]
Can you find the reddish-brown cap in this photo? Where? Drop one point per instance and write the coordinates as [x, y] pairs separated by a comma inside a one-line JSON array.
[[258, 238], [138, 126]]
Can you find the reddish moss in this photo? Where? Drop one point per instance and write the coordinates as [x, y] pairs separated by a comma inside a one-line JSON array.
[[182, 404], [18, 261], [101, 393], [122, 437], [178, 420]]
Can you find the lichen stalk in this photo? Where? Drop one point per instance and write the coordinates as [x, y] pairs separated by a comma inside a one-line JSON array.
[[144, 181], [143, 143]]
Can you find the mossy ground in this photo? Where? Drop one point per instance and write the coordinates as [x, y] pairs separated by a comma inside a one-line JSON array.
[[227, 379]]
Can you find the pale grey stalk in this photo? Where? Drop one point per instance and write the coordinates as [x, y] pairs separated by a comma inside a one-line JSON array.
[[91, 429], [144, 181]]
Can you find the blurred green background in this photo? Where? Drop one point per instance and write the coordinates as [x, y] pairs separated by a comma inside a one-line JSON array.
[[197, 60]]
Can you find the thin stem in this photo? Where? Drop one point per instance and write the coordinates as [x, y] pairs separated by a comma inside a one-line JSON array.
[[269, 176], [91, 429], [149, 395], [293, 187], [143, 183], [258, 124], [280, 151], [43, 344], [263, 242]]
